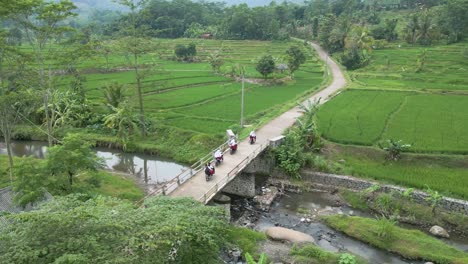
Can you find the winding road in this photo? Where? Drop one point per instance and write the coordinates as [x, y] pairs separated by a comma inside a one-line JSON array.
[[197, 187]]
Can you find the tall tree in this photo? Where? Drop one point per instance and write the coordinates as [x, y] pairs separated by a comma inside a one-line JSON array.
[[134, 45], [412, 29], [265, 66], [14, 105], [295, 57], [15, 100], [65, 161], [43, 24], [455, 19]]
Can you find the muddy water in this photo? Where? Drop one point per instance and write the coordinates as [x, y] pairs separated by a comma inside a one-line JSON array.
[[147, 170], [285, 213]]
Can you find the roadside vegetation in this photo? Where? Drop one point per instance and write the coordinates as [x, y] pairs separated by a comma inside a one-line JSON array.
[[246, 239], [311, 254], [402, 207], [410, 244], [115, 230]]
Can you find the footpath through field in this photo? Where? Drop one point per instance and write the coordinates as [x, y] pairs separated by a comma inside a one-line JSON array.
[[197, 187]]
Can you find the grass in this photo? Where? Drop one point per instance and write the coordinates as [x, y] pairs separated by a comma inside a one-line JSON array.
[[391, 204], [311, 254], [429, 122], [246, 239], [410, 244], [447, 174], [110, 184], [356, 200], [118, 186]]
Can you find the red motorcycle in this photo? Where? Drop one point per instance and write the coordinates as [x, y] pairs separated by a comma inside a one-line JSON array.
[[218, 160], [233, 148], [209, 172]]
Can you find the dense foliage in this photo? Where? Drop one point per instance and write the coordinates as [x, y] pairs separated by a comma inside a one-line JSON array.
[[291, 155], [77, 229], [58, 172], [411, 244]]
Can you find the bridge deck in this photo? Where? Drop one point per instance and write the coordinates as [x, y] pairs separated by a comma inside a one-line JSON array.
[[197, 187]]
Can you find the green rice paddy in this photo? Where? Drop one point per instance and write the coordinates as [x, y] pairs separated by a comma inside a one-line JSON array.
[[445, 68], [391, 99], [429, 122], [190, 95]]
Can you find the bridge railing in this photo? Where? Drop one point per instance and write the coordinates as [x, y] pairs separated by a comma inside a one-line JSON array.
[[210, 193], [172, 184]]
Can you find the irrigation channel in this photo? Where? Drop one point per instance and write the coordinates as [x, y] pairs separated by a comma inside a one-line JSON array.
[[149, 171], [288, 212]]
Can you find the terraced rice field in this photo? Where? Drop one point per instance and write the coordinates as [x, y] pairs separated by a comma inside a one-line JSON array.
[[445, 69], [190, 95], [391, 99], [429, 122]]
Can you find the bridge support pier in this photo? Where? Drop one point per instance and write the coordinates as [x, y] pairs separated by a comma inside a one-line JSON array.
[[242, 185]]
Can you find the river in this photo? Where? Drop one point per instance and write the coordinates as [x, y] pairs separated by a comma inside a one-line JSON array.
[[286, 212], [147, 170]]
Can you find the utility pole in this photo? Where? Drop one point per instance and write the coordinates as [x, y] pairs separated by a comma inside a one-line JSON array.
[[242, 102]]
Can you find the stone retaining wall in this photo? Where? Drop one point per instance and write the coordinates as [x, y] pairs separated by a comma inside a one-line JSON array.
[[265, 164], [242, 185], [340, 181]]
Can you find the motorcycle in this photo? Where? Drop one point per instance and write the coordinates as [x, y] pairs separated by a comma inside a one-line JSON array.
[[233, 148], [218, 160], [209, 173], [253, 139]]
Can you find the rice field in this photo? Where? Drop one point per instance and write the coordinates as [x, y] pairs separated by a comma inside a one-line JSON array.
[[445, 68], [400, 95], [429, 122], [190, 95]]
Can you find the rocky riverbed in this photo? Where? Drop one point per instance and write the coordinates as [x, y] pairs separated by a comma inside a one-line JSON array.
[[301, 212]]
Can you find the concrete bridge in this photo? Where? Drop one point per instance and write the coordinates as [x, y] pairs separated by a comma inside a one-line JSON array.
[[192, 183]]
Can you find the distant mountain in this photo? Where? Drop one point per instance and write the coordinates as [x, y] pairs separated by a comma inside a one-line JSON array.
[[86, 5], [253, 3], [89, 5]]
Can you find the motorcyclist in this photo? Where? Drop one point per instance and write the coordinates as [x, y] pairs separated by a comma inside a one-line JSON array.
[[233, 144], [218, 155], [212, 169], [209, 171], [253, 137]]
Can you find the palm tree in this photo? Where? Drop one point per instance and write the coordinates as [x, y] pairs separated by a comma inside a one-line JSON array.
[[123, 120], [306, 124], [411, 30], [216, 61], [425, 29], [114, 94]]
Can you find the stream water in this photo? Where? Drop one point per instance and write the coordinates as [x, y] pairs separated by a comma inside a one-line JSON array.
[[287, 212], [147, 170]]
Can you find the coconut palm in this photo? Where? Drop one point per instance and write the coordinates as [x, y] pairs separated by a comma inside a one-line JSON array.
[[123, 120]]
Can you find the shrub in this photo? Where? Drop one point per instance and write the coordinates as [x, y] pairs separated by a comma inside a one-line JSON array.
[[354, 59], [347, 259], [385, 228], [394, 148], [290, 155]]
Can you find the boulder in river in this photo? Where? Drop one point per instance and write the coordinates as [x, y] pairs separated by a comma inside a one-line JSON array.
[[285, 234], [439, 231]]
